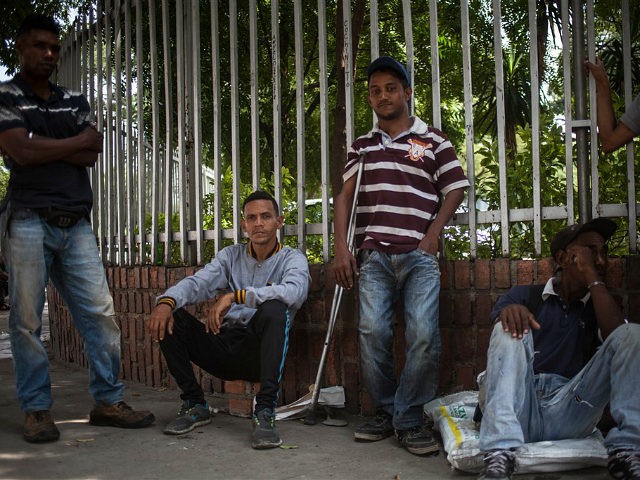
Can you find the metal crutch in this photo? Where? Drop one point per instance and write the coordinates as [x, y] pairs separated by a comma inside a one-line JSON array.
[[310, 418]]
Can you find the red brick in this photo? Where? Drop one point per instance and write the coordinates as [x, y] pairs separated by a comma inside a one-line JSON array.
[[446, 309], [162, 278], [133, 277], [633, 272], [317, 278], [462, 270], [144, 277], [545, 270], [240, 407], [502, 273], [482, 272], [153, 277], [350, 342], [465, 348], [238, 387], [524, 272], [445, 274], [484, 304], [462, 309], [465, 376], [123, 277], [614, 277]]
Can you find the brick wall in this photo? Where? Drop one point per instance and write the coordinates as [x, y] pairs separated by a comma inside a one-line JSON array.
[[469, 290]]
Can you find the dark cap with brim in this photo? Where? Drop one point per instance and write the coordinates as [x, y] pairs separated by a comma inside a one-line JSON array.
[[564, 237], [388, 63]]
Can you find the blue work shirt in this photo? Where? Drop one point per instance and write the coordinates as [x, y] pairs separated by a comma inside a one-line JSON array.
[[568, 335]]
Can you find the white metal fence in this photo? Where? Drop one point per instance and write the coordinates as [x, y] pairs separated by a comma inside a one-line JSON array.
[[161, 73]]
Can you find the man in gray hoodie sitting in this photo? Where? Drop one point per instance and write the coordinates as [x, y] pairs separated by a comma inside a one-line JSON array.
[[257, 288]]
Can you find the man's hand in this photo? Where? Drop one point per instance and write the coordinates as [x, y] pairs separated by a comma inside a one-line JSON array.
[[345, 267], [160, 321], [218, 311], [597, 70], [430, 243], [583, 259], [517, 320], [92, 138]]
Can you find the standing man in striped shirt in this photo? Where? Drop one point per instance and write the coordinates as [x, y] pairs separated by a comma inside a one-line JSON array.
[[48, 143], [412, 184]]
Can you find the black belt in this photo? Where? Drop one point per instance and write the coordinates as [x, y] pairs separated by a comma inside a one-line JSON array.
[[58, 217]]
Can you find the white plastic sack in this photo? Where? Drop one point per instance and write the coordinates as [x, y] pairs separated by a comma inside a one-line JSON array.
[[453, 418], [329, 397]]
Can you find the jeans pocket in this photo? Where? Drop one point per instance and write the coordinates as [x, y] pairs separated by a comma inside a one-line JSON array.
[[363, 257]]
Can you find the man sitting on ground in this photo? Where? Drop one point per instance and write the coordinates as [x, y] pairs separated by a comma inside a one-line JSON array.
[[558, 354]]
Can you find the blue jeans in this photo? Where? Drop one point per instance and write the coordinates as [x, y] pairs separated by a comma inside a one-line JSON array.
[[35, 251], [413, 278], [522, 407]]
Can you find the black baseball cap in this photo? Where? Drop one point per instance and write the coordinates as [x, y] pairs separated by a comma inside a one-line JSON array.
[[564, 237], [388, 63]]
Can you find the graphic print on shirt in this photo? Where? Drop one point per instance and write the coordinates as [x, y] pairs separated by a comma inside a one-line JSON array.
[[417, 149]]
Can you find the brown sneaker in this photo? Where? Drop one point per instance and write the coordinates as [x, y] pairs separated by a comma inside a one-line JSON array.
[[120, 415], [39, 427]]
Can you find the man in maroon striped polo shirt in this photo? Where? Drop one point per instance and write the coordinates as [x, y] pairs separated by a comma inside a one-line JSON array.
[[412, 183]]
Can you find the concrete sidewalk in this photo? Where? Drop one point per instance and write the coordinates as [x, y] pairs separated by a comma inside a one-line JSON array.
[[220, 450]]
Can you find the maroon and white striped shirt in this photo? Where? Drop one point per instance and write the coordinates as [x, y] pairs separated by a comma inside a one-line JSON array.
[[401, 184]]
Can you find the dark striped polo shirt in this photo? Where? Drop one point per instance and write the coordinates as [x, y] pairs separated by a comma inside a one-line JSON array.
[[64, 114], [401, 185]]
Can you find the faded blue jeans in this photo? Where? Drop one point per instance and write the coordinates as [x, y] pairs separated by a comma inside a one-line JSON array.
[[35, 250], [414, 279], [522, 407]]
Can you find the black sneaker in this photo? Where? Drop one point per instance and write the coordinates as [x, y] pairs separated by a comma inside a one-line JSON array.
[[265, 434], [418, 440], [498, 465], [624, 464], [189, 417], [378, 429]]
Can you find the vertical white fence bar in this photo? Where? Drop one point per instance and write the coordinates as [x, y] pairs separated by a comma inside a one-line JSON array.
[[155, 132], [347, 57], [183, 99], [568, 112], [468, 121], [140, 243], [235, 118], [535, 126], [196, 173], [217, 120], [632, 202], [595, 181], [435, 63], [323, 73], [300, 127], [119, 157], [502, 160], [277, 100], [109, 154], [130, 155], [255, 105], [408, 40], [168, 120]]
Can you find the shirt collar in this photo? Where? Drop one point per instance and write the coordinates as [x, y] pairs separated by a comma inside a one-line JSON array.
[[275, 250], [56, 92], [418, 127], [549, 289]]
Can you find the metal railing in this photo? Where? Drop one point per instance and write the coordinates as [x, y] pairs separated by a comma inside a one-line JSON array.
[[158, 71]]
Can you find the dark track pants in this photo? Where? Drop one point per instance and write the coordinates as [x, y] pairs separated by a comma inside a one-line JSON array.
[[254, 353]]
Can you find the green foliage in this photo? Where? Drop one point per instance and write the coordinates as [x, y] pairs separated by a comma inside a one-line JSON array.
[[13, 13], [4, 181]]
